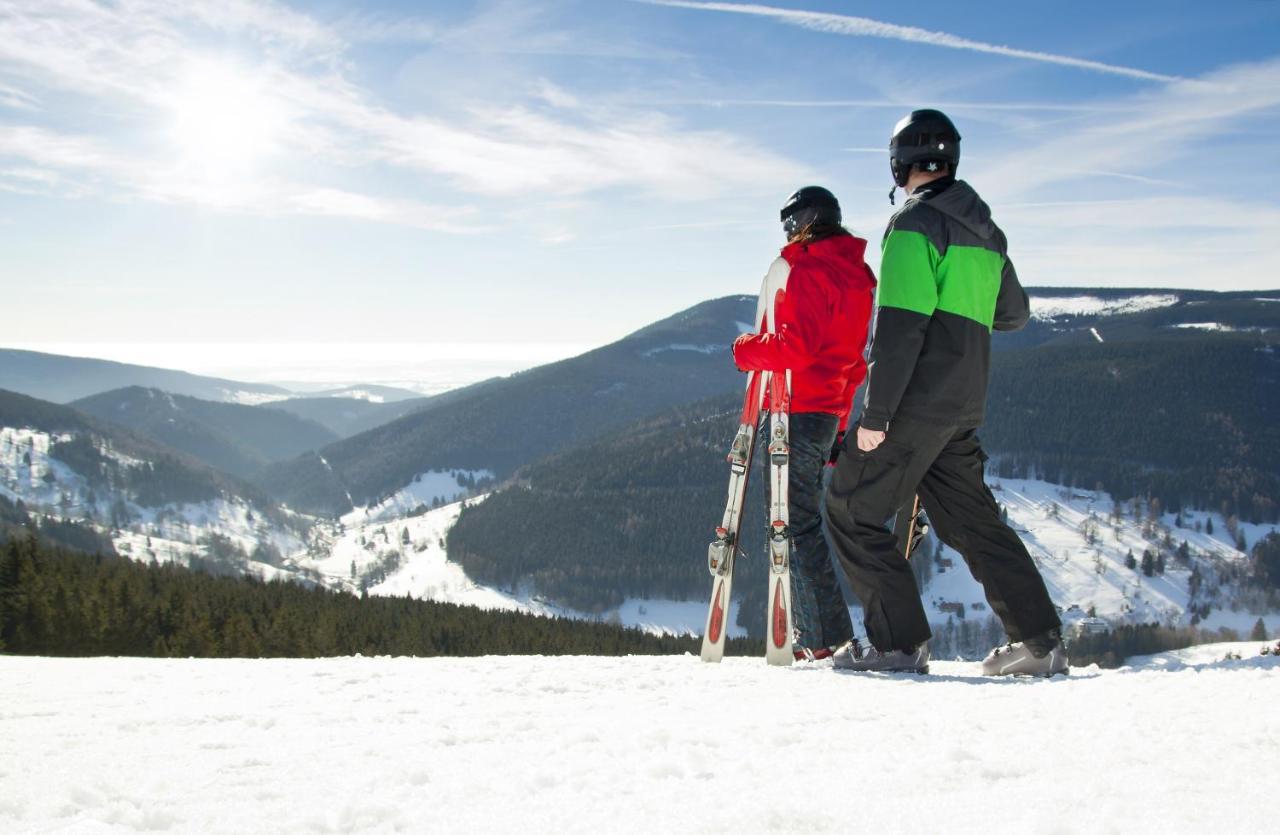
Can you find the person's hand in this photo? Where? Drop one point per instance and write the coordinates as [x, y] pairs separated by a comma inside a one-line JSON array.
[[869, 439]]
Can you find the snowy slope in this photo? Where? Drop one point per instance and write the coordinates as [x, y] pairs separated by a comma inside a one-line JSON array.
[[420, 568], [1172, 744], [1057, 524], [174, 532], [1071, 533], [1053, 521], [1046, 308]]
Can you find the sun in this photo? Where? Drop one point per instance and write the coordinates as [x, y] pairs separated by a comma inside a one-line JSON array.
[[223, 117]]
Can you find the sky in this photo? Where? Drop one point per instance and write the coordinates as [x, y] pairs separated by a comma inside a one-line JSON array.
[[553, 175]]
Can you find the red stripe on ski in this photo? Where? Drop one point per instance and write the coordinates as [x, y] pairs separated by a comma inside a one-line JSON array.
[[717, 614], [779, 617], [751, 401]]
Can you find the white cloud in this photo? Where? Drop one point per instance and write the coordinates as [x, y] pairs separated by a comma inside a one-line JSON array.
[[129, 61], [1150, 132], [16, 99], [866, 27]]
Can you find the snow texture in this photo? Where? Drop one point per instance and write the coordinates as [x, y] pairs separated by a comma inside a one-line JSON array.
[[1046, 308], [173, 533], [716, 348], [1080, 549], [1180, 742], [1218, 327], [427, 488]]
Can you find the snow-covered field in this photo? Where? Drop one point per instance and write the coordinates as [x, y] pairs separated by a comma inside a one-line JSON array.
[[1080, 546], [1081, 549], [1047, 308], [1183, 742]]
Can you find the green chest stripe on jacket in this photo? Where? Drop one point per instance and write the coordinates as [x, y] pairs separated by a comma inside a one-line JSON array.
[[965, 281]]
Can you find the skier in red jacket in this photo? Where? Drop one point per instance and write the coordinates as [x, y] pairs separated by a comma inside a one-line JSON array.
[[820, 336]]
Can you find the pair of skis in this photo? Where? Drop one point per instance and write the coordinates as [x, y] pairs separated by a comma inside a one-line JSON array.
[[771, 389], [775, 388]]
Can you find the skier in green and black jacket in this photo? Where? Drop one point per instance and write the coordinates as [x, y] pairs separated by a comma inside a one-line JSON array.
[[946, 282]]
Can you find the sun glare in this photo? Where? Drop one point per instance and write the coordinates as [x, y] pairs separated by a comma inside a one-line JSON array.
[[223, 117]]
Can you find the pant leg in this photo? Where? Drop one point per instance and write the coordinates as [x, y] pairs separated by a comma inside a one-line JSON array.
[[819, 612], [965, 516], [866, 490]]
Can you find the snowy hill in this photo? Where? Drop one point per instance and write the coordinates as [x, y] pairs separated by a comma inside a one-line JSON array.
[[154, 503], [236, 439], [635, 744], [1081, 549]]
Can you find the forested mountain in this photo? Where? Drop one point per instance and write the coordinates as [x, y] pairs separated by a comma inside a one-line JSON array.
[[1074, 316], [230, 437], [54, 602], [62, 379], [501, 424], [1193, 418], [626, 515], [1188, 418], [155, 502], [108, 458]]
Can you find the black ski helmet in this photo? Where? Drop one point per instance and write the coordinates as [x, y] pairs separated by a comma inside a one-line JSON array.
[[810, 206], [923, 136]]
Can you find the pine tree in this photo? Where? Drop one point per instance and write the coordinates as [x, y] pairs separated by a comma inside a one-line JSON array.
[[1148, 564], [1259, 632], [1129, 561]]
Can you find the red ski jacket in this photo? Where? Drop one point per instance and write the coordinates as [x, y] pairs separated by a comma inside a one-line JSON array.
[[821, 328]]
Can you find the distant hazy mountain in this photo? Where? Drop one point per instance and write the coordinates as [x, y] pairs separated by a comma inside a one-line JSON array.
[[235, 439], [366, 393], [347, 416], [62, 379]]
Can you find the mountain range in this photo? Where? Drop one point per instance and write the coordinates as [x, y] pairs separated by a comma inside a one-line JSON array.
[[610, 464]]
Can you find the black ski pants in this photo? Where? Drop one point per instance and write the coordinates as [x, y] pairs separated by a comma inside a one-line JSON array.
[[944, 464]]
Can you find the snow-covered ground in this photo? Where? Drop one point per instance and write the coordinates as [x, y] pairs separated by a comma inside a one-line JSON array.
[[1081, 549], [413, 549], [1175, 743], [1072, 534], [1056, 307], [431, 487], [175, 532]]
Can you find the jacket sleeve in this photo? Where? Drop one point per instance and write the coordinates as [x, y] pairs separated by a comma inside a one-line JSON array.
[[908, 296], [1013, 309], [797, 333]]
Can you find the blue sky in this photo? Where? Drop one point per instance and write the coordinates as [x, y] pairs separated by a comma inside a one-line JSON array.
[[565, 172]]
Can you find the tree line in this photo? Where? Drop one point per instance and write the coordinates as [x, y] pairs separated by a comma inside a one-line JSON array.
[[54, 601]]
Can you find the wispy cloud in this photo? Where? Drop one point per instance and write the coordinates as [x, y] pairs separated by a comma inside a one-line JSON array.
[[1131, 235], [16, 99], [893, 104], [128, 61], [839, 24], [1147, 132]]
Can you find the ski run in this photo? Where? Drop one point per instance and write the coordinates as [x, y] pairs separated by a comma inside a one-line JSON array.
[[1180, 742]]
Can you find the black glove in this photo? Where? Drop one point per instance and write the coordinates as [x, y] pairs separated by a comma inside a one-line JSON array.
[[836, 448]]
